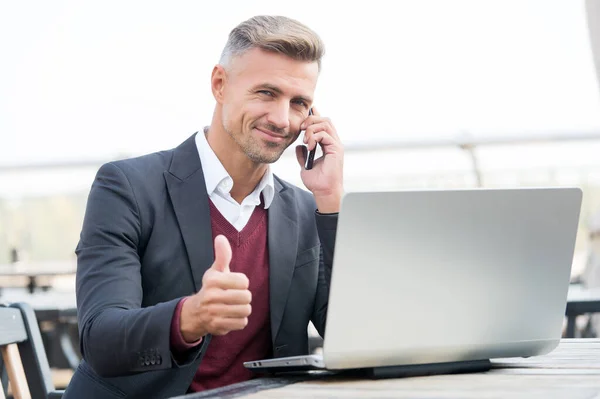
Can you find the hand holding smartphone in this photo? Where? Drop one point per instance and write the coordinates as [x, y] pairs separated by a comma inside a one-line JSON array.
[[311, 155]]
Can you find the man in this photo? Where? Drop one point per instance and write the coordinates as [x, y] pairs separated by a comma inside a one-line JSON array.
[[194, 260]]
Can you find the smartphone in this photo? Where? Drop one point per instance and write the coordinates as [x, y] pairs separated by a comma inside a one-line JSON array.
[[311, 154]]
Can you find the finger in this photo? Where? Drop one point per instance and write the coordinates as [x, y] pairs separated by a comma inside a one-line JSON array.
[[301, 153], [310, 120], [327, 142], [315, 128], [236, 297], [228, 297], [315, 119], [223, 325], [322, 126], [328, 127], [226, 281], [222, 254], [231, 311]]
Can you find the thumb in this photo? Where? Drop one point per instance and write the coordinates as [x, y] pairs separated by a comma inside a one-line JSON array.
[[222, 254], [301, 152]]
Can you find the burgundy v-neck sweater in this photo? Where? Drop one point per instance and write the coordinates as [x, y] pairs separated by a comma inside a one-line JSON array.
[[223, 362]]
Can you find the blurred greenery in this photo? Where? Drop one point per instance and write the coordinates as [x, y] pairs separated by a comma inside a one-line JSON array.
[[42, 228]]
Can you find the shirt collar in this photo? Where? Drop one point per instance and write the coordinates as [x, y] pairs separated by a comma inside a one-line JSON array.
[[216, 177]]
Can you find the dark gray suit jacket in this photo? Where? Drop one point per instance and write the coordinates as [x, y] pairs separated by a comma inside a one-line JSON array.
[[146, 241]]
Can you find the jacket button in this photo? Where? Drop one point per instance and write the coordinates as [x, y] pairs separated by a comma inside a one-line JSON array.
[[153, 360]]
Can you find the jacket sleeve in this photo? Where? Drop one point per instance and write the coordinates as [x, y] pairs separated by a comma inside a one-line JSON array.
[[326, 228], [117, 336]]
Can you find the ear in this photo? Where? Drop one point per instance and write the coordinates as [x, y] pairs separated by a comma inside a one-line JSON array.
[[217, 83]]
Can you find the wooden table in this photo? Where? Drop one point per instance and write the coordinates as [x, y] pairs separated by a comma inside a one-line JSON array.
[[572, 371], [580, 301]]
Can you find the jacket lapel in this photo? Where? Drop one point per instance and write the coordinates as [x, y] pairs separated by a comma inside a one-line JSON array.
[[187, 190], [283, 248]]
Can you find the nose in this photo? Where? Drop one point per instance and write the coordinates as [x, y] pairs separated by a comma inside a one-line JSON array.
[[279, 115]]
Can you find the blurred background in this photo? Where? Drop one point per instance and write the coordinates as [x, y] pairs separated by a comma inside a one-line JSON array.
[[409, 85], [425, 94]]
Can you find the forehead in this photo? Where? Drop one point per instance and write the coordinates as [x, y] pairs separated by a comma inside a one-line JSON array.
[[258, 66]]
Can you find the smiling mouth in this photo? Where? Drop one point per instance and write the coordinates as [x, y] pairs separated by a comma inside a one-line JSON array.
[[270, 136]]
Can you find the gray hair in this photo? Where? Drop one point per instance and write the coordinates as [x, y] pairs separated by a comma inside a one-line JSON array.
[[276, 34]]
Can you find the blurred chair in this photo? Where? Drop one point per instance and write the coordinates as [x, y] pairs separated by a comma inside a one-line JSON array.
[[23, 354]]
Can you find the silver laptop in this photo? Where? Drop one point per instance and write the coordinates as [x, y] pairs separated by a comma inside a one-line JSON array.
[[434, 277]]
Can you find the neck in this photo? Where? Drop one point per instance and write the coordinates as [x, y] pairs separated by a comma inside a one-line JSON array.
[[245, 173]]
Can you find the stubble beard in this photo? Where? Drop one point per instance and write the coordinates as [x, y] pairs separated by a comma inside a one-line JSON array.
[[253, 148]]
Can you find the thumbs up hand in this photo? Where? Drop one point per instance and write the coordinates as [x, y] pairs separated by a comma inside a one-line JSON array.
[[222, 304]]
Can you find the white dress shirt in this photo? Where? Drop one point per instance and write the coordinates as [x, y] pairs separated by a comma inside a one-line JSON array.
[[219, 184]]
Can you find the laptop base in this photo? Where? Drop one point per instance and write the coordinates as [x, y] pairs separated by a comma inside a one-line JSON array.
[[472, 366], [306, 364]]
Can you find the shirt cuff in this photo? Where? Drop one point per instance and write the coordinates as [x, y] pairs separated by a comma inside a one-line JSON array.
[[178, 343]]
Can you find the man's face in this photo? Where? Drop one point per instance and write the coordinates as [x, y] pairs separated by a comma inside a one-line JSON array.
[[265, 98]]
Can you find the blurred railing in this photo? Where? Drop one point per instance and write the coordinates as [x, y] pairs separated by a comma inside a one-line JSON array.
[[42, 218]]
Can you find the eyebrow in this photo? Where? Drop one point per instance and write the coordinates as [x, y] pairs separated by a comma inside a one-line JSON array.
[[277, 90]]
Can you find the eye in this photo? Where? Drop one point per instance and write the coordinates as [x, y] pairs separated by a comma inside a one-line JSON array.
[[266, 93], [302, 103]]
